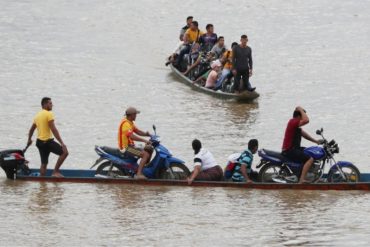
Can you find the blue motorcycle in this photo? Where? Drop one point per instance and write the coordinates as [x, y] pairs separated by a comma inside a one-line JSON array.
[[277, 168], [116, 163]]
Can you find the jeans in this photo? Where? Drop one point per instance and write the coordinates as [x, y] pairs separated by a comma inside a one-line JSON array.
[[224, 74], [183, 51]]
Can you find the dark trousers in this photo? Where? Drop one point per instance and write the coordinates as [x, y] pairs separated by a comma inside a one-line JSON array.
[[184, 50], [242, 75]]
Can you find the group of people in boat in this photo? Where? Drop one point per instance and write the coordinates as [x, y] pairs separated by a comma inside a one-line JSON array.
[[204, 58], [206, 167]]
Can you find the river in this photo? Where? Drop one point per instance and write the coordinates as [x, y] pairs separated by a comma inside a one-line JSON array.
[[96, 58]]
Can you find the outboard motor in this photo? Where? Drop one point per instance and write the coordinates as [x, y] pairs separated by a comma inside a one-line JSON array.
[[13, 160]]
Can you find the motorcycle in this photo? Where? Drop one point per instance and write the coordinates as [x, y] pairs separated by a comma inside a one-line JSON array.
[[277, 168], [115, 163]]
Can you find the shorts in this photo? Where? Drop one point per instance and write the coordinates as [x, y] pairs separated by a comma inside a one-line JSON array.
[[138, 152], [47, 147], [296, 155], [133, 151]]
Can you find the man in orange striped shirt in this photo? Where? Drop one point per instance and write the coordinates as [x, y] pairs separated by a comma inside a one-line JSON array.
[[128, 133]]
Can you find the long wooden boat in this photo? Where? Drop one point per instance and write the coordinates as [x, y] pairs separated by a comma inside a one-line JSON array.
[[88, 176], [244, 96]]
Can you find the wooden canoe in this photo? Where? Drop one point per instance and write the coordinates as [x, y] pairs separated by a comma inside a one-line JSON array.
[[244, 96], [88, 176]]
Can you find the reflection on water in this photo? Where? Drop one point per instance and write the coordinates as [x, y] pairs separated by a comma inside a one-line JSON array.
[[46, 198], [103, 214]]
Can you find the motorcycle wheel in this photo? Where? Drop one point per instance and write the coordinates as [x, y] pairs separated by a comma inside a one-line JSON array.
[[179, 171], [269, 170], [104, 170], [351, 172]]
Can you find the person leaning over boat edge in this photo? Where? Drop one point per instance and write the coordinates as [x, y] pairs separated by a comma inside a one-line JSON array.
[[292, 141], [44, 122], [205, 166], [243, 166], [128, 133]]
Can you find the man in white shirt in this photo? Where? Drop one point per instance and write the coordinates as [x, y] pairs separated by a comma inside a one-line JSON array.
[[205, 166]]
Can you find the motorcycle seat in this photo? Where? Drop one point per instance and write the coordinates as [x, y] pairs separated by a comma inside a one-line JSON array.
[[275, 154], [114, 151]]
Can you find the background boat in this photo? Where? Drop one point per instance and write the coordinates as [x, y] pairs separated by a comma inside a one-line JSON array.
[[244, 96]]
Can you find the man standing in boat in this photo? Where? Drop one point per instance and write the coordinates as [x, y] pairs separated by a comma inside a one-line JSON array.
[[128, 133], [44, 122], [242, 64]]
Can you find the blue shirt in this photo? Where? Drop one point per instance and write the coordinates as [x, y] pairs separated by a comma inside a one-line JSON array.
[[246, 159]]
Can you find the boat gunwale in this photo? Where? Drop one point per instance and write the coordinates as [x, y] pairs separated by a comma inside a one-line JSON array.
[[224, 184]]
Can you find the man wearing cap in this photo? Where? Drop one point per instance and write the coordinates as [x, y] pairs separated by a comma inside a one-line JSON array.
[[128, 133]]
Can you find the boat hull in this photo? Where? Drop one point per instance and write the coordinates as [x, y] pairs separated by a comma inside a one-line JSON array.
[[88, 176], [242, 97]]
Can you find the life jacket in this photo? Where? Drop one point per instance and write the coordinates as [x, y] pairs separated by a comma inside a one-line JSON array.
[[120, 144]]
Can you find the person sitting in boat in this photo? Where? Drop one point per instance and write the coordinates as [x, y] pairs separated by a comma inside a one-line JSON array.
[[202, 64], [189, 20], [205, 166], [209, 39], [226, 74], [213, 75], [194, 56], [181, 45], [127, 134], [243, 166], [219, 48], [193, 34]]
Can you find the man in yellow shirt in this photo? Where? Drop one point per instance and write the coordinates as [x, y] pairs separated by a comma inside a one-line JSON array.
[[191, 36], [193, 33], [128, 133], [44, 122]]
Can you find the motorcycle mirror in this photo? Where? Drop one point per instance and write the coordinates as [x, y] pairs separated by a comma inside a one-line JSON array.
[[154, 128], [318, 132]]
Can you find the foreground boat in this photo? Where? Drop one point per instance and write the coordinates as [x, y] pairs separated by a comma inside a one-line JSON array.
[[244, 96], [88, 176]]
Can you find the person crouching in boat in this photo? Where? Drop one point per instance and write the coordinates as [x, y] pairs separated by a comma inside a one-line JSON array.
[[127, 134], [205, 166], [243, 167]]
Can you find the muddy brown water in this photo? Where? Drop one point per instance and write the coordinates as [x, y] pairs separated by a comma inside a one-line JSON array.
[[96, 58]]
